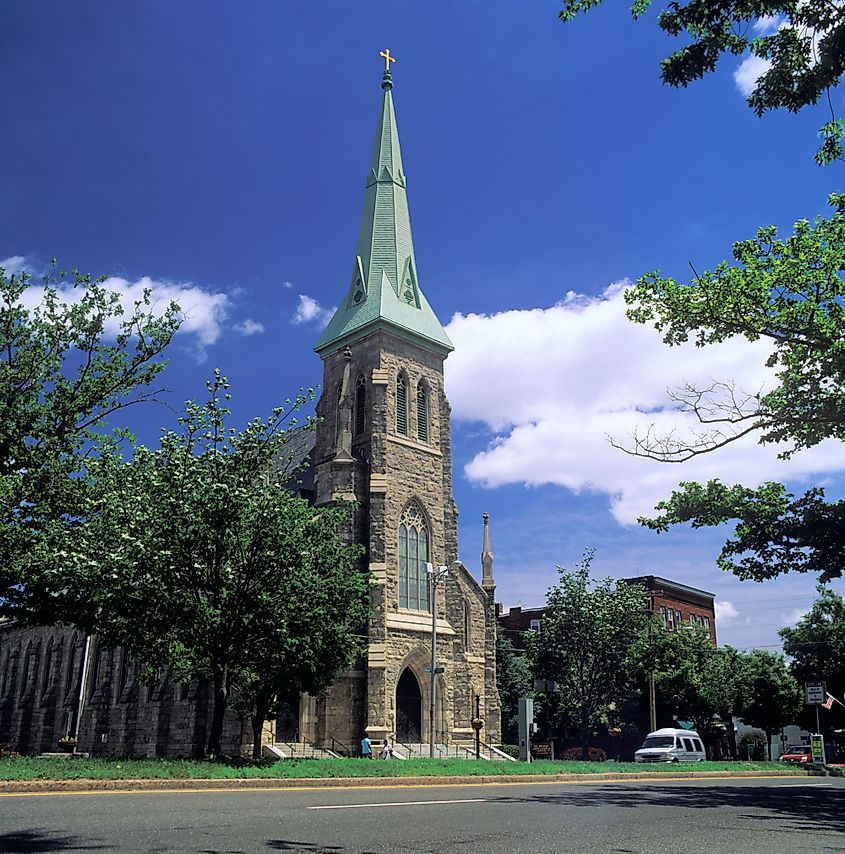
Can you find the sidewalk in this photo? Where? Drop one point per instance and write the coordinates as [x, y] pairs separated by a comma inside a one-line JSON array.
[[60, 787]]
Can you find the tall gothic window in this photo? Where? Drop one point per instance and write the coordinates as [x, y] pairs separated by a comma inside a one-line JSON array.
[[402, 405], [422, 413], [413, 555], [48, 668], [360, 406]]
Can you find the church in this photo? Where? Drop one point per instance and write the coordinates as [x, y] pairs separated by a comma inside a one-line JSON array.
[[383, 440]]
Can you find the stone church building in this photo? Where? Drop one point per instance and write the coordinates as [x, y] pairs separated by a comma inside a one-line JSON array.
[[383, 440]]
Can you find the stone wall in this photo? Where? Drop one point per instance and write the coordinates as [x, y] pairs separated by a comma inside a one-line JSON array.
[[392, 469], [40, 679]]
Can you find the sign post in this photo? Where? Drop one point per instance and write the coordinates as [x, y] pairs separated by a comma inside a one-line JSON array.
[[815, 693]]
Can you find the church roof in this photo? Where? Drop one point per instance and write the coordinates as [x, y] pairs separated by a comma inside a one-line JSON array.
[[384, 290]]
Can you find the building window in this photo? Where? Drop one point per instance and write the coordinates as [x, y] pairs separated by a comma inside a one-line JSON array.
[[678, 619], [30, 670], [534, 625], [402, 406], [707, 626], [422, 413], [413, 556], [670, 618], [123, 676], [71, 664], [48, 668], [360, 406], [663, 614], [97, 666]]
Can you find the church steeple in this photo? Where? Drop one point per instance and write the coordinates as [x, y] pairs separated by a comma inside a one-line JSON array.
[[486, 557], [384, 291]]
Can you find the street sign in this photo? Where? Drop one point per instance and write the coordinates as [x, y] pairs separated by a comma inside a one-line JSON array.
[[815, 692], [817, 746], [541, 750], [545, 686]]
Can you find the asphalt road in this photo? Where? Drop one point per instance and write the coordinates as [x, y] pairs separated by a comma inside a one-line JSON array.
[[747, 816]]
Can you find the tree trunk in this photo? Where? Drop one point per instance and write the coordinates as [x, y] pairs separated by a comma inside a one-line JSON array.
[[257, 726], [260, 713], [585, 737], [769, 734], [221, 697]]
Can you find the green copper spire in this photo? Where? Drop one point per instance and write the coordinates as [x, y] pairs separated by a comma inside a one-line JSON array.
[[384, 291]]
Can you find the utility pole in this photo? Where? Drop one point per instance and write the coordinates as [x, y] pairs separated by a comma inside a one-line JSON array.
[[434, 577]]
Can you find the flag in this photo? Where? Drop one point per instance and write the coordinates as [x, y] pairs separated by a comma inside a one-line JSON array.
[[828, 703]]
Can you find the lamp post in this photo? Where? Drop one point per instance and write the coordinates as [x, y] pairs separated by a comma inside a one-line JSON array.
[[477, 724], [435, 576]]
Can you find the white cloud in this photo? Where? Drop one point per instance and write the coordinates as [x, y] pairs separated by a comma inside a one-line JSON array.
[[748, 73], [726, 612], [287, 285], [310, 311], [202, 311], [795, 616], [552, 384], [249, 327], [768, 24], [14, 264]]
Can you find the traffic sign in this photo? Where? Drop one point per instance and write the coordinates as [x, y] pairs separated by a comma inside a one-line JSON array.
[[815, 692]]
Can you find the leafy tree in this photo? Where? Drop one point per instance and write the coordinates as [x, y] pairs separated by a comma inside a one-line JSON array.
[[696, 680], [300, 658], [772, 697], [803, 48], [789, 291], [514, 680], [70, 356], [197, 556], [587, 645], [816, 647]]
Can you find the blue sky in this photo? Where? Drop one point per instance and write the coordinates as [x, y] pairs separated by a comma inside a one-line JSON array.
[[219, 149]]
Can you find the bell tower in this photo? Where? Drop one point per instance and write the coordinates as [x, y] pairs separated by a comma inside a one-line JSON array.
[[384, 441]]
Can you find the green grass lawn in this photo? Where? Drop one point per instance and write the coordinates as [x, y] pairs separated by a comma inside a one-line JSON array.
[[34, 768]]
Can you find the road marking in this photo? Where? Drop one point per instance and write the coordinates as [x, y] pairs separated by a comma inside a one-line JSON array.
[[196, 790], [397, 804]]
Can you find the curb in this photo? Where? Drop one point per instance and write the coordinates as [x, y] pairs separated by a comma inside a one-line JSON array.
[[23, 787]]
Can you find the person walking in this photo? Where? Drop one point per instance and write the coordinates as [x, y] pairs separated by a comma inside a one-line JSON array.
[[387, 750], [366, 747]]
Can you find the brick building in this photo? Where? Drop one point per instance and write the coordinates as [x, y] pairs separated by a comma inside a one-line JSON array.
[[675, 603], [678, 605], [384, 441]]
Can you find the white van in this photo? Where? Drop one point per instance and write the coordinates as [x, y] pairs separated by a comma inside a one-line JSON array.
[[671, 745]]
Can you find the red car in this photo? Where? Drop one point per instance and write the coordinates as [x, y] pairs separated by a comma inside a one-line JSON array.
[[797, 753]]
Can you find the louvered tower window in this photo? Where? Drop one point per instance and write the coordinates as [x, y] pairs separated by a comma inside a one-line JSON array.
[[402, 406], [422, 413], [360, 406], [413, 555]]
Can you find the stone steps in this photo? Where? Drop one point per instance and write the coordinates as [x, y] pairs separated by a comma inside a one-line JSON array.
[[298, 750]]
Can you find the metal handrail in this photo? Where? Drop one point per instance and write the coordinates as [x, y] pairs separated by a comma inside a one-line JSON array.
[[344, 750]]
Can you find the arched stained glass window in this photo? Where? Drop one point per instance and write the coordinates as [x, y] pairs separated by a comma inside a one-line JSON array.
[[422, 413], [402, 406], [413, 555], [360, 406]]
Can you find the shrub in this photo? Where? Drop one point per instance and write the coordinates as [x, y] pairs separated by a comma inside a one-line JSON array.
[[510, 749], [574, 754]]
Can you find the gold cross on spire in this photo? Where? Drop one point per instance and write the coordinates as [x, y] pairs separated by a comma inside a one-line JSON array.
[[387, 59]]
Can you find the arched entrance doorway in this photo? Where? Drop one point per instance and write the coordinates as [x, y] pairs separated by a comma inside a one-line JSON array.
[[408, 708], [287, 722]]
